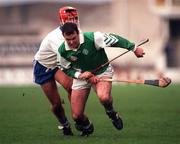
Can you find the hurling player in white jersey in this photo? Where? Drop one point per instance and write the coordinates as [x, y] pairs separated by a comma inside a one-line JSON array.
[[46, 72]]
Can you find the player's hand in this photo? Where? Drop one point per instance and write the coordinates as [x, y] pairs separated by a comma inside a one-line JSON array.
[[93, 80], [139, 52], [85, 75]]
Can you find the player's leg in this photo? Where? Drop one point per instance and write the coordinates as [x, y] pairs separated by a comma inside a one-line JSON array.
[[45, 78], [103, 91], [65, 81], [51, 92], [79, 98]]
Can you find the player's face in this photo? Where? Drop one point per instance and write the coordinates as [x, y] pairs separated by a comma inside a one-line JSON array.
[[72, 18], [72, 40], [69, 16]]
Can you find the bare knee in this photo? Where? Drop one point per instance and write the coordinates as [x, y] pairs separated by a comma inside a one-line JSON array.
[[104, 98]]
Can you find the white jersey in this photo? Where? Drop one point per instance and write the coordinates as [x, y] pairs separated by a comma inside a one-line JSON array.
[[47, 53]]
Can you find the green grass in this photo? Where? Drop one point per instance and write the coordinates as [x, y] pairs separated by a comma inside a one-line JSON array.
[[150, 114]]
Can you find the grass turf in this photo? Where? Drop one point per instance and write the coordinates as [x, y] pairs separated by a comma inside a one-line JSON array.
[[150, 114]]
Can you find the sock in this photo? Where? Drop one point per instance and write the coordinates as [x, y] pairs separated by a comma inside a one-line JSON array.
[[58, 110], [108, 107], [63, 121], [82, 122]]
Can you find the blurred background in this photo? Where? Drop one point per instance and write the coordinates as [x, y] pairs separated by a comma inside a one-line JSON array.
[[24, 23]]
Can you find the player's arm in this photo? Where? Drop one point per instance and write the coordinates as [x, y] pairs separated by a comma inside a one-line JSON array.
[[66, 67], [68, 70], [103, 40], [75, 73], [118, 41], [72, 72], [123, 43]]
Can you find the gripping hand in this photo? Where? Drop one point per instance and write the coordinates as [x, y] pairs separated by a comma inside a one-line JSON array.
[[93, 80], [139, 52], [85, 75]]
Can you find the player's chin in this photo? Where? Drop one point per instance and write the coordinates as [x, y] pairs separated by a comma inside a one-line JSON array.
[[73, 47]]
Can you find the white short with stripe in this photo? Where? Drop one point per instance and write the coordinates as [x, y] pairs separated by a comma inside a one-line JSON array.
[[82, 84]]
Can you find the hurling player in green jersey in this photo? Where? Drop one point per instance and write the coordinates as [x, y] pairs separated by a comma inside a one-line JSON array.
[[78, 56]]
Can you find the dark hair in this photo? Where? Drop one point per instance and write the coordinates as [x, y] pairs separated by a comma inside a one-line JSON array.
[[69, 28]]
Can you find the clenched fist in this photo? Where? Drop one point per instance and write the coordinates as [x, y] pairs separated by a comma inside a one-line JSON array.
[[85, 75], [139, 52]]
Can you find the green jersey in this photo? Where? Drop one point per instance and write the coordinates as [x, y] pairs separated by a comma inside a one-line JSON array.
[[90, 54]]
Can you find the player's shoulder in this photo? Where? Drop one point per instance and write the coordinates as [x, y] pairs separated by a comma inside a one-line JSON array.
[[54, 34], [88, 36], [98, 34], [52, 40], [94, 35]]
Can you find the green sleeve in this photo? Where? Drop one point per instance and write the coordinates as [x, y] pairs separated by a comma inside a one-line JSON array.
[[70, 72], [64, 64], [122, 42]]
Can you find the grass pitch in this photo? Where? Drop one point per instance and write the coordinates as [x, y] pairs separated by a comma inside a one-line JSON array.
[[150, 115]]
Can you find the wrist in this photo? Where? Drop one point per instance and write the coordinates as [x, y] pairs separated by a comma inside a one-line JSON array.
[[77, 74], [134, 49]]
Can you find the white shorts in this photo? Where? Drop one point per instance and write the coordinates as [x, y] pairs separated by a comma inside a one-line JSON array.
[[82, 84]]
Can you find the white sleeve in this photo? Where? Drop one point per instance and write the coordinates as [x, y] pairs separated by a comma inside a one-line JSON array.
[[103, 40], [99, 40], [77, 74]]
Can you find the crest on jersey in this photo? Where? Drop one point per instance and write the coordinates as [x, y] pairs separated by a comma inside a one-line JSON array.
[[85, 51], [73, 58]]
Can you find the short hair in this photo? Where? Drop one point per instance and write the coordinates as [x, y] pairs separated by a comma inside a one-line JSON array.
[[69, 28]]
